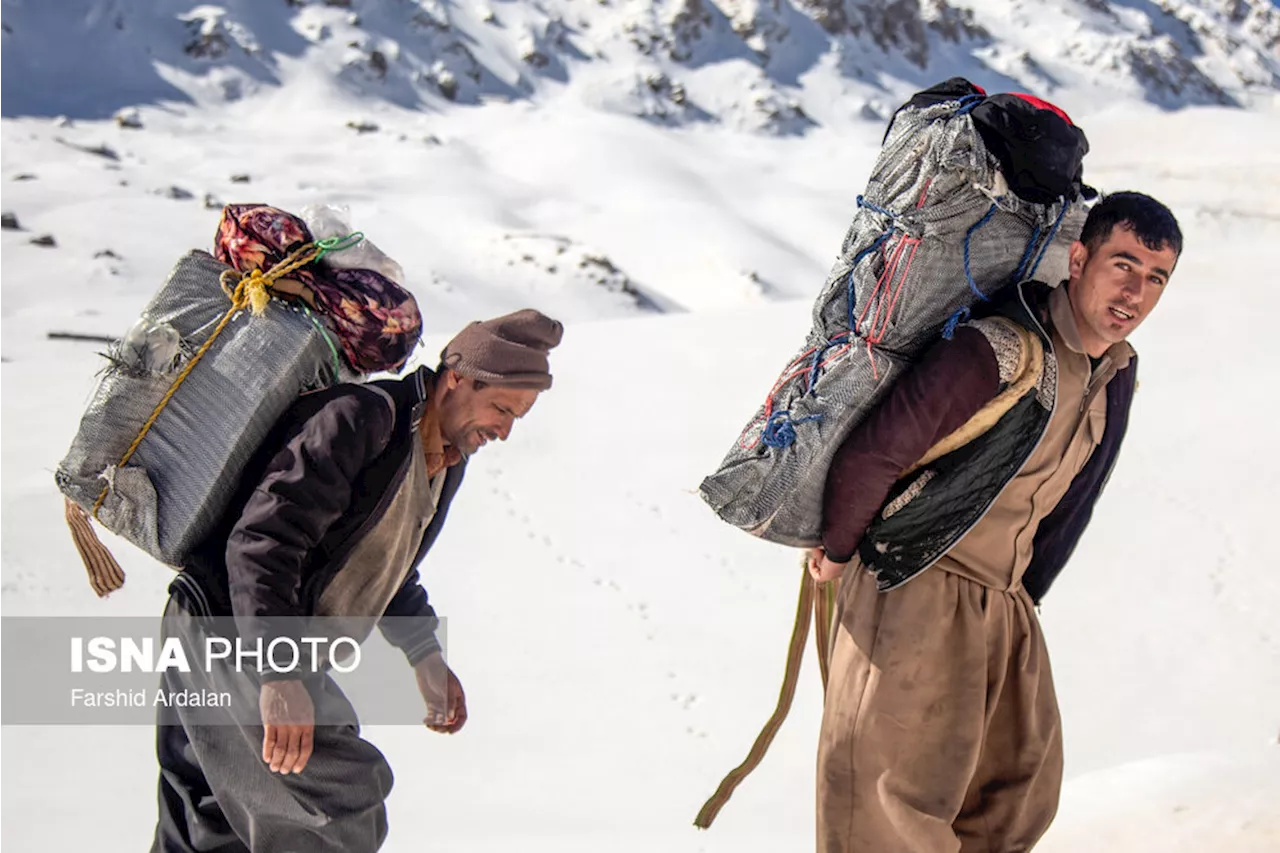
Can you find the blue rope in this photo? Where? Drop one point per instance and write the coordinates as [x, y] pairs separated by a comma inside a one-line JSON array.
[[967, 103], [1026, 256], [813, 368], [1047, 243], [949, 330], [963, 314], [874, 245], [853, 297], [816, 366], [967, 235], [780, 432], [870, 205]]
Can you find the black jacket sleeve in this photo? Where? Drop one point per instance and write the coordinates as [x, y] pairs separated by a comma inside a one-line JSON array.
[[307, 486], [410, 622]]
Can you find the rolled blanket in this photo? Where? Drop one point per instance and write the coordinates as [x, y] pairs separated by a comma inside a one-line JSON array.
[[376, 321]]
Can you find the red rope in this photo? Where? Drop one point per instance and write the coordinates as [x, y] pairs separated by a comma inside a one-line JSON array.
[[877, 336], [924, 192], [891, 284], [891, 262], [787, 377]]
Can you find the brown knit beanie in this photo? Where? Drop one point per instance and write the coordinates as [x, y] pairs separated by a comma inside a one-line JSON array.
[[509, 350]]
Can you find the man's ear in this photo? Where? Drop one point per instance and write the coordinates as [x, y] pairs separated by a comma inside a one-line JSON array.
[[1077, 257], [451, 379]]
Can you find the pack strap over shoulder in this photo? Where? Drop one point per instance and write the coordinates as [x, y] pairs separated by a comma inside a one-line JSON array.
[[1021, 359], [386, 397]]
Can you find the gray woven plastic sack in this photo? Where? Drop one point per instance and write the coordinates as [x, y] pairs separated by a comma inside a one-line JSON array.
[[937, 231], [177, 483]]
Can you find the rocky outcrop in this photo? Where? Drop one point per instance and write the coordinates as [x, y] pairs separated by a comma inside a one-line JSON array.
[[679, 30], [761, 24], [211, 35], [1168, 76], [899, 27]]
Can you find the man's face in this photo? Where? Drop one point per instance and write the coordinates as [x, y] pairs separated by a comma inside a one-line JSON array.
[[470, 417], [1116, 286]]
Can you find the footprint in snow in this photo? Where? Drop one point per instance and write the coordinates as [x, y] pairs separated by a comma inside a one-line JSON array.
[[686, 701]]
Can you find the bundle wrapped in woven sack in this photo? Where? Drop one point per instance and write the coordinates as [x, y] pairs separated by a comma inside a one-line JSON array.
[[970, 193], [223, 349], [177, 480]]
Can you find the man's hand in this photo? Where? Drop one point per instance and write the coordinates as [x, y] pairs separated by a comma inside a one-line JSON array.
[[440, 688], [821, 569], [289, 720]]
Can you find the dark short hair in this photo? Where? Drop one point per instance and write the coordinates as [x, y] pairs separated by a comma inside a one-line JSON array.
[[1151, 222]]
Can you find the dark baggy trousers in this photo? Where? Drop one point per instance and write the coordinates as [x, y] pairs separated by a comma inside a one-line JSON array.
[[217, 794]]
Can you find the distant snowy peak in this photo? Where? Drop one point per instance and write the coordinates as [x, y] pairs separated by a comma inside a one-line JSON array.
[[1182, 52], [763, 65]]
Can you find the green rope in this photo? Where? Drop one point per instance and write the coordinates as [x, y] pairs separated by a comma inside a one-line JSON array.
[[337, 244], [333, 350]]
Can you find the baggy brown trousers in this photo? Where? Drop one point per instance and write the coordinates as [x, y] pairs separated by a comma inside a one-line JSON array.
[[940, 731], [937, 739]]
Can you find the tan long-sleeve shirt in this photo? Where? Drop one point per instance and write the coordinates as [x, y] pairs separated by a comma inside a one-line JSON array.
[[997, 551]]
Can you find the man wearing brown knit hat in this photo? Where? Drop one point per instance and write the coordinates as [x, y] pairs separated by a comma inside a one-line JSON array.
[[338, 508]]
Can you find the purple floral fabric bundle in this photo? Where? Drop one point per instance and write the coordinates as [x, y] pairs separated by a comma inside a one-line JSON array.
[[376, 320]]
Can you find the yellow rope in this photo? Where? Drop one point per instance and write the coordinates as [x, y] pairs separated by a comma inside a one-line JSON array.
[[251, 291], [824, 611], [790, 678]]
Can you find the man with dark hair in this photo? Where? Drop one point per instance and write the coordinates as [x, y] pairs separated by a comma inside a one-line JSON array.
[[941, 729], [1153, 224], [341, 504]]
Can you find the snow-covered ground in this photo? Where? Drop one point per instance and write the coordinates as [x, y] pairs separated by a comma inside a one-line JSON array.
[[620, 647]]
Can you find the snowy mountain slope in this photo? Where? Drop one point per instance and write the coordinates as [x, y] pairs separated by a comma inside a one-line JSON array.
[[620, 646], [764, 65], [476, 220]]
